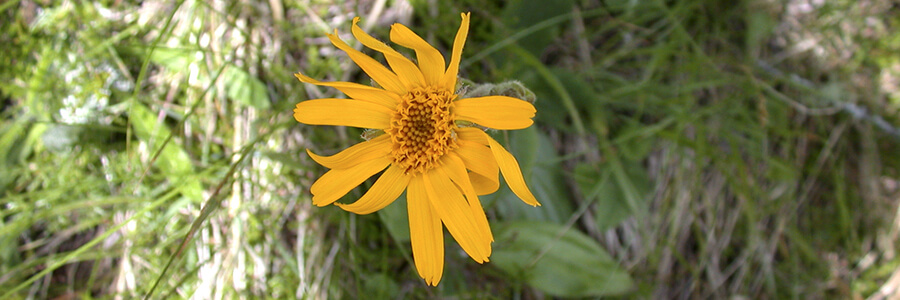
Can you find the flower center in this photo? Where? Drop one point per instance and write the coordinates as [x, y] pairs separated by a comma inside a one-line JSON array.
[[422, 130]]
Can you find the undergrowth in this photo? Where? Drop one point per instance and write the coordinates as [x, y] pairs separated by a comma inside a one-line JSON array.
[[683, 149]]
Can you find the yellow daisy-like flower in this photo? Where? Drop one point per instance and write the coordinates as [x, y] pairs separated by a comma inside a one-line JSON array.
[[442, 166]]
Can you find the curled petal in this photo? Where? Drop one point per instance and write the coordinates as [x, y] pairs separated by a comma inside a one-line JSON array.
[[358, 91], [356, 154], [406, 70], [511, 173], [336, 183], [479, 159], [509, 167], [448, 81], [385, 190], [431, 62], [384, 77]]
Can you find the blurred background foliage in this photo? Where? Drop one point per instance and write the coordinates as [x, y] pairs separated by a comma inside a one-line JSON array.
[[682, 149]]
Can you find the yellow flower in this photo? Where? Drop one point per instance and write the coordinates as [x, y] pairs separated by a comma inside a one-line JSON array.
[[442, 167]]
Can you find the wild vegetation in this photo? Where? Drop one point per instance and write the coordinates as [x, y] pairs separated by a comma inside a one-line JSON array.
[[682, 149]]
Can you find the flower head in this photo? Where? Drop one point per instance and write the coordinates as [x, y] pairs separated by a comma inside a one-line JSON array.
[[442, 166]]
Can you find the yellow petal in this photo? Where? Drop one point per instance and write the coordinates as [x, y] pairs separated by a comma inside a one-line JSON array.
[[511, 172], [356, 154], [336, 183], [456, 170], [343, 112], [385, 190], [431, 62], [455, 213], [498, 112], [405, 69], [358, 91], [478, 158], [472, 134], [425, 233], [448, 81], [378, 72], [484, 185]]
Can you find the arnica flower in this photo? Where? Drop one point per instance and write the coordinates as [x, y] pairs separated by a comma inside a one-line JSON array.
[[429, 147]]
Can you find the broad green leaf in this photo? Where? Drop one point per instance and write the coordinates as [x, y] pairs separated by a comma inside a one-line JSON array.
[[760, 26], [10, 255], [610, 190], [18, 141], [176, 59], [173, 161], [245, 88], [11, 138], [558, 260], [239, 85], [635, 141]]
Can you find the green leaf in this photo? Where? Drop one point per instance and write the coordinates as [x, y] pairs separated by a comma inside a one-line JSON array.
[[173, 160], [176, 59], [613, 190], [11, 137], [557, 260], [18, 141], [760, 26], [635, 141], [239, 85], [246, 89]]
